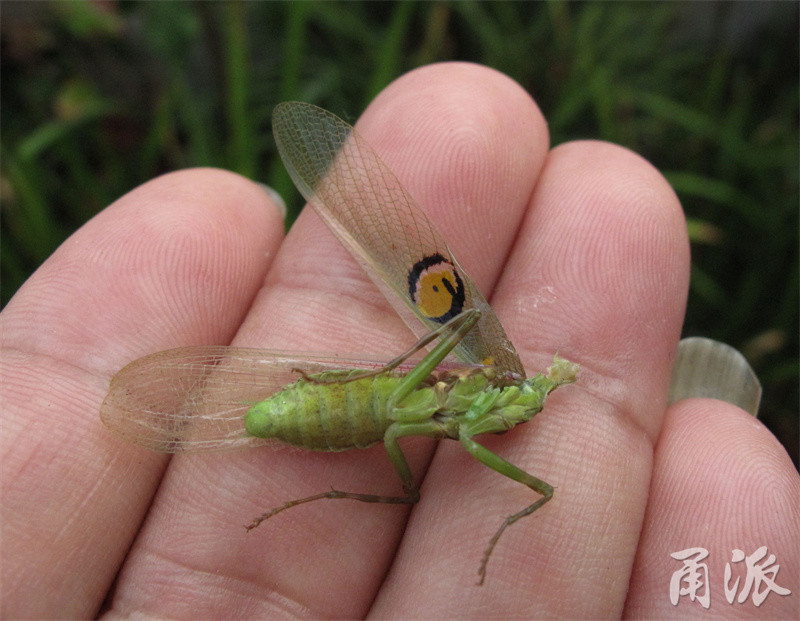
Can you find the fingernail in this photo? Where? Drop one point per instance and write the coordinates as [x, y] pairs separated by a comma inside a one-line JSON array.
[[707, 368], [275, 197]]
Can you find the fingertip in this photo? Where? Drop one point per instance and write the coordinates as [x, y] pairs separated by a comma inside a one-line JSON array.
[[468, 143], [275, 198], [725, 439], [227, 194], [601, 269], [175, 261], [721, 481]]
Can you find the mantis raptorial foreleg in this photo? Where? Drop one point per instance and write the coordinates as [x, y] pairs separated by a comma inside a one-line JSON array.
[[457, 328]]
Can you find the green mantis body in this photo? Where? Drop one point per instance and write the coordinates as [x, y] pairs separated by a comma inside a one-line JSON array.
[[209, 398], [386, 405]]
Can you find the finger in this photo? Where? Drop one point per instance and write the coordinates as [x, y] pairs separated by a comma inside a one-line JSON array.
[[175, 262], [445, 130], [599, 273], [721, 482]]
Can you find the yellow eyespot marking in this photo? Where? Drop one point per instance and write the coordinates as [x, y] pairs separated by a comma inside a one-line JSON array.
[[367, 208], [436, 288]]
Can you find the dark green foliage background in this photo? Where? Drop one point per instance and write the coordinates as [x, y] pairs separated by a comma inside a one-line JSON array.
[[100, 97]]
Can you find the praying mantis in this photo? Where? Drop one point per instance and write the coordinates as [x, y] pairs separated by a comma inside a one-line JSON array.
[[213, 398]]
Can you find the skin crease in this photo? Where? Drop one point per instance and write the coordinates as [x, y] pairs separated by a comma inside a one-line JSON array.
[[581, 249]]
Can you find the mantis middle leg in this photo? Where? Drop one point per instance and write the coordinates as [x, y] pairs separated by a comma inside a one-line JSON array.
[[458, 327]]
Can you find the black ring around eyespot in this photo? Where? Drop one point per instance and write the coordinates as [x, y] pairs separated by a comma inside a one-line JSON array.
[[457, 293]]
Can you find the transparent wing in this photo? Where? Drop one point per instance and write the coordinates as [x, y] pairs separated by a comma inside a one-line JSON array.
[[371, 213], [195, 398]]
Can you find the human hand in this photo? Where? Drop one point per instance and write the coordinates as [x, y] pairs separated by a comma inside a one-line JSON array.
[[584, 251]]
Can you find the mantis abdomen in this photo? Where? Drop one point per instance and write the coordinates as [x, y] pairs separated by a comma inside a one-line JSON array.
[[326, 412]]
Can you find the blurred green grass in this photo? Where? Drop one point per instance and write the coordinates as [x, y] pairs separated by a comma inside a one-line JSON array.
[[98, 97]]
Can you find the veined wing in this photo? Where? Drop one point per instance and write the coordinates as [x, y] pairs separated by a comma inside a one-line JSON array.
[[195, 398], [373, 215]]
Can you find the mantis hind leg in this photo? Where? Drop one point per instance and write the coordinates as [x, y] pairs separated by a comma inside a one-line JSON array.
[[398, 459], [334, 493], [497, 463]]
